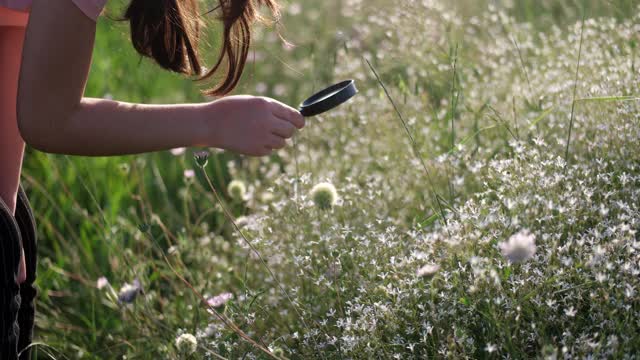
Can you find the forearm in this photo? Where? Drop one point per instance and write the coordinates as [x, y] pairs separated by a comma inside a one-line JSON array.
[[103, 127], [53, 115]]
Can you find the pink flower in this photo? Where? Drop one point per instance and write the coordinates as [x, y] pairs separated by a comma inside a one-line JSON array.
[[220, 300], [102, 282], [189, 173]]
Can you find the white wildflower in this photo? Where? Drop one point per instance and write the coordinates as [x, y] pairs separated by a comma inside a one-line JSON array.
[[571, 312]]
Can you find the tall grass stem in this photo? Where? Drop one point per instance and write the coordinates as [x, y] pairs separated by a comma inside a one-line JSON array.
[[575, 88], [414, 145]]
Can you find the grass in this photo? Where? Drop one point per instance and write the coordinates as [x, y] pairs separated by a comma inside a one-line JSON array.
[[491, 126]]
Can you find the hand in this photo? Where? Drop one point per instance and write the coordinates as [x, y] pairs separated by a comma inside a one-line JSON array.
[[22, 272], [251, 125]]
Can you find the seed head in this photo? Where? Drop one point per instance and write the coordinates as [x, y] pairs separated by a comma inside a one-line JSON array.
[[237, 189], [324, 195], [187, 344], [520, 247]]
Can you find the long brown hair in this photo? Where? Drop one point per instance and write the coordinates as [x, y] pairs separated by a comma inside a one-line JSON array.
[[168, 31]]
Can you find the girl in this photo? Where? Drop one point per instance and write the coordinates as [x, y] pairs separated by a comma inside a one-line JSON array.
[[41, 101]]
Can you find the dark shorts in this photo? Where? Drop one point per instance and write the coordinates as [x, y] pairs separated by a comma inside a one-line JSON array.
[[17, 301]]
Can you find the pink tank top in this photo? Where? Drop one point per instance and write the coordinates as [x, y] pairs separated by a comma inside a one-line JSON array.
[[91, 8]]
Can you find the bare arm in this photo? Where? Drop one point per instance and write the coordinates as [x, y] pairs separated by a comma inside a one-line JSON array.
[[54, 117]]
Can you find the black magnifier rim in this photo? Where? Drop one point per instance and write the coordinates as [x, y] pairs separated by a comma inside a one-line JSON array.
[[328, 98]]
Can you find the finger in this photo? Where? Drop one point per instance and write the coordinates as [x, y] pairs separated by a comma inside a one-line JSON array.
[[276, 143], [286, 112], [283, 128], [264, 151]]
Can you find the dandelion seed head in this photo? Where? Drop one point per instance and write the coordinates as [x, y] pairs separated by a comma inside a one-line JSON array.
[[520, 247], [186, 344], [237, 190], [324, 195]]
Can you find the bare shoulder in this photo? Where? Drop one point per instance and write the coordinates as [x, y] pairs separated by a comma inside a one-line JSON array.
[[55, 64]]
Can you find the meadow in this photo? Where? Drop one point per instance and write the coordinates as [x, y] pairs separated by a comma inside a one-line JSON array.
[[479, 198]]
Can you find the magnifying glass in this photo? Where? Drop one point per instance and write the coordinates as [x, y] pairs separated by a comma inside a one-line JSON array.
[[328, 98]]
